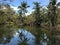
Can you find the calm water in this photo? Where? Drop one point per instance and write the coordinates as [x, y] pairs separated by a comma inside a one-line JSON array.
[[14, 35]]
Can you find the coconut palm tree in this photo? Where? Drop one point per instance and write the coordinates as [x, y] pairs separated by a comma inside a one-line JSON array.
[[22, 10], [37, 14]]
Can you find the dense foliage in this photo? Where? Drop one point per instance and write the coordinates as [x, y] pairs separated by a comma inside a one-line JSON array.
[[40, 16]]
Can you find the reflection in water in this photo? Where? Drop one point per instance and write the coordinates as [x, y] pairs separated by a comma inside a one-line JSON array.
[[5, 34], [25, 37], [28, 36], [40, 37], [44, 40], [54, 38]]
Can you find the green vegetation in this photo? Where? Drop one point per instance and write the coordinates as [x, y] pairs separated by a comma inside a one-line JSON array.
[[43, 17], [41, 22]]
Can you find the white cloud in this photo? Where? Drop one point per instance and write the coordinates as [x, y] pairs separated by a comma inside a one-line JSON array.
[[44, 7], [4, 7], [15, 8], [58, 1], [28, 13], [58, 6]]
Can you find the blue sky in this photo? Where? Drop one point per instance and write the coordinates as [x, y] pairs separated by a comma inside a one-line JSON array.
[[17, 3], [30, 2]]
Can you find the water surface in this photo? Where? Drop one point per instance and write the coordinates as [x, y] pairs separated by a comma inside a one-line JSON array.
[[14, 35]]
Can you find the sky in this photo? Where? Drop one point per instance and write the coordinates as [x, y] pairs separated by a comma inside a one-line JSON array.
[[17, 3]]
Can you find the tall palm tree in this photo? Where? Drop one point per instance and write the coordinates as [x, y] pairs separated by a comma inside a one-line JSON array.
[[22, 11], [52, 12], [37, 14], [23, 8]]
